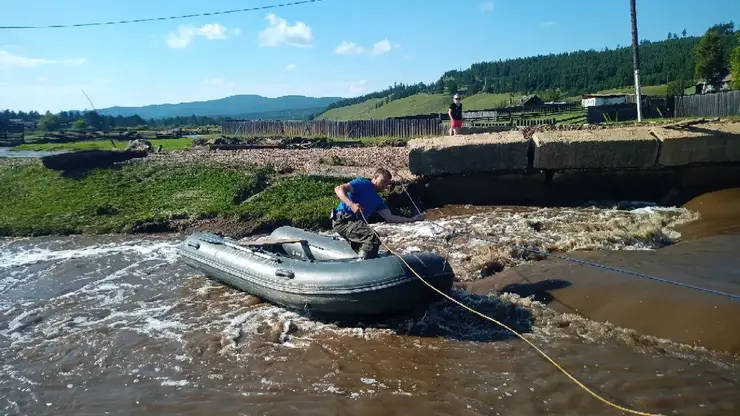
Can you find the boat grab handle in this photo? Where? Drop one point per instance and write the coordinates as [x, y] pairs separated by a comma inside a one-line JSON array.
[[284, 273]]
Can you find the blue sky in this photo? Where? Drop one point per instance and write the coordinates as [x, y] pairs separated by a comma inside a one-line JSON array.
[[330, 48]]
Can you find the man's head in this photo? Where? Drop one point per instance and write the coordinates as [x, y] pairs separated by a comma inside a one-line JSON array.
[[456, 99], [381, 179]]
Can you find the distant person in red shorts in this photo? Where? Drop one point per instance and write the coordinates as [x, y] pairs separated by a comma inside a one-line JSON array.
[[456, 118]]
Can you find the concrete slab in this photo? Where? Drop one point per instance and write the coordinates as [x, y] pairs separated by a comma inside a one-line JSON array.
[[629, 147], [697, 144], [488, 152]]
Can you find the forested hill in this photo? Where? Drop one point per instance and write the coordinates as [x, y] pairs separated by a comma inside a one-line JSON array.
[[583, 71], [233, 106], [568, 74]]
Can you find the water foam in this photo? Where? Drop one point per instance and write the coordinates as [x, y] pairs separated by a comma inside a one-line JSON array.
[[33, 255], [545, 229]]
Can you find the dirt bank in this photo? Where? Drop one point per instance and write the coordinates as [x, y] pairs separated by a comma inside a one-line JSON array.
[[719, 214]]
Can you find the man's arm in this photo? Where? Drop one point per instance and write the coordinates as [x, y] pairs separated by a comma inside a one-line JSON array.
[[390, 217], [341, 191]]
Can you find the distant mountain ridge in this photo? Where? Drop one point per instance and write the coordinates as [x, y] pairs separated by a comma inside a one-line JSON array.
[[233, 106]]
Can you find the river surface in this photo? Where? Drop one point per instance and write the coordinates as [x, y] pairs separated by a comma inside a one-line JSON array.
[[9, 152], [116, 325]]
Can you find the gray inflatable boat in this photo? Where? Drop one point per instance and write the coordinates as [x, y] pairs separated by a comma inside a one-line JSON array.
[[298, 269]]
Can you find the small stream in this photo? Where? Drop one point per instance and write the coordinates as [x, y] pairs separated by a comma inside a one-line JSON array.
[[9, 152]]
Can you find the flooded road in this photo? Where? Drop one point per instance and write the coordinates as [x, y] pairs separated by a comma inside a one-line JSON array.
[[117, 325]]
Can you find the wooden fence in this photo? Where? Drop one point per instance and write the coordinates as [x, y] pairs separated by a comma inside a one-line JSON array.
[[720, 104], [494, 113], [11, 134], [511, 122], [330, 128]]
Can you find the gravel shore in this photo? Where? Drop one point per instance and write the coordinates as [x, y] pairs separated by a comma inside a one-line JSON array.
[[332, 162]]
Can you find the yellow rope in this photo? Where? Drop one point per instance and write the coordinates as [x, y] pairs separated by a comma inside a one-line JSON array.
[[509, 329]]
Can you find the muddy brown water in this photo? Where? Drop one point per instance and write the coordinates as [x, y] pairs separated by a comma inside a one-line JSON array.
[[94, 325]]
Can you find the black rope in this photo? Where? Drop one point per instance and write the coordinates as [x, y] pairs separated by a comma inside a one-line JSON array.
[[119, 22]]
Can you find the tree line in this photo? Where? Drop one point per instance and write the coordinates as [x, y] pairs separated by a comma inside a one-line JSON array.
[[80, 120], [676, 61]]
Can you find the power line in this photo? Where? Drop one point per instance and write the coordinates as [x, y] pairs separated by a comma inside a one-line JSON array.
[[120, 22]]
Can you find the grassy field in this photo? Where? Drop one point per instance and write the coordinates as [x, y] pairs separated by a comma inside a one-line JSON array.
[[167, 144], [654, 90], [416, 104], [438, 103], [135, 196]]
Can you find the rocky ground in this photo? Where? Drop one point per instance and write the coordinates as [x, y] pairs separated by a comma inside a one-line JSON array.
[[331, 162], [342, 161]]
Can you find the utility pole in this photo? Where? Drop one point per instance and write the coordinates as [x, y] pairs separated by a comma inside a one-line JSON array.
[[636, 60]]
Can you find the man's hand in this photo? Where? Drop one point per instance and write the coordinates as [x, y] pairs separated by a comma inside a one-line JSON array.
[[355, 207]]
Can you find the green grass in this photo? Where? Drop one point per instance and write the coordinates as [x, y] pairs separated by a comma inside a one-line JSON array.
[[35, 200], [303, 201], [352, 112], [653, 90], [438, 103], [485, 100], [135, 197], [167, 144], [416, 104]]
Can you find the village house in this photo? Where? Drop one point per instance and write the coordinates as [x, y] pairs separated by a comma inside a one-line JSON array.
[[723, 83], [591, 100], [527, 101]]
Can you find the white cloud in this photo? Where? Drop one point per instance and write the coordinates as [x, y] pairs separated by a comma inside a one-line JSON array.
[[357, 88], [348, 48], [219, 82], [278, 31], [9, 60], [486, 6], [383, 46], [187, 33], [351, 48], [290, 67], [547, 23], [12, 47]]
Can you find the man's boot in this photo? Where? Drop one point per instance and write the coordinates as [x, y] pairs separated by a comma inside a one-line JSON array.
[[366, 255]]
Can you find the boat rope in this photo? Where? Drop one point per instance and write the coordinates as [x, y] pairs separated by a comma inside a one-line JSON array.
[[580, 384]]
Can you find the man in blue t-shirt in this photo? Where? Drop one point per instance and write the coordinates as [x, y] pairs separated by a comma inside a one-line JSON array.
[[362, 194]]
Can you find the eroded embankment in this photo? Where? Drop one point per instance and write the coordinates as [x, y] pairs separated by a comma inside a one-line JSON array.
[[667, 164]]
